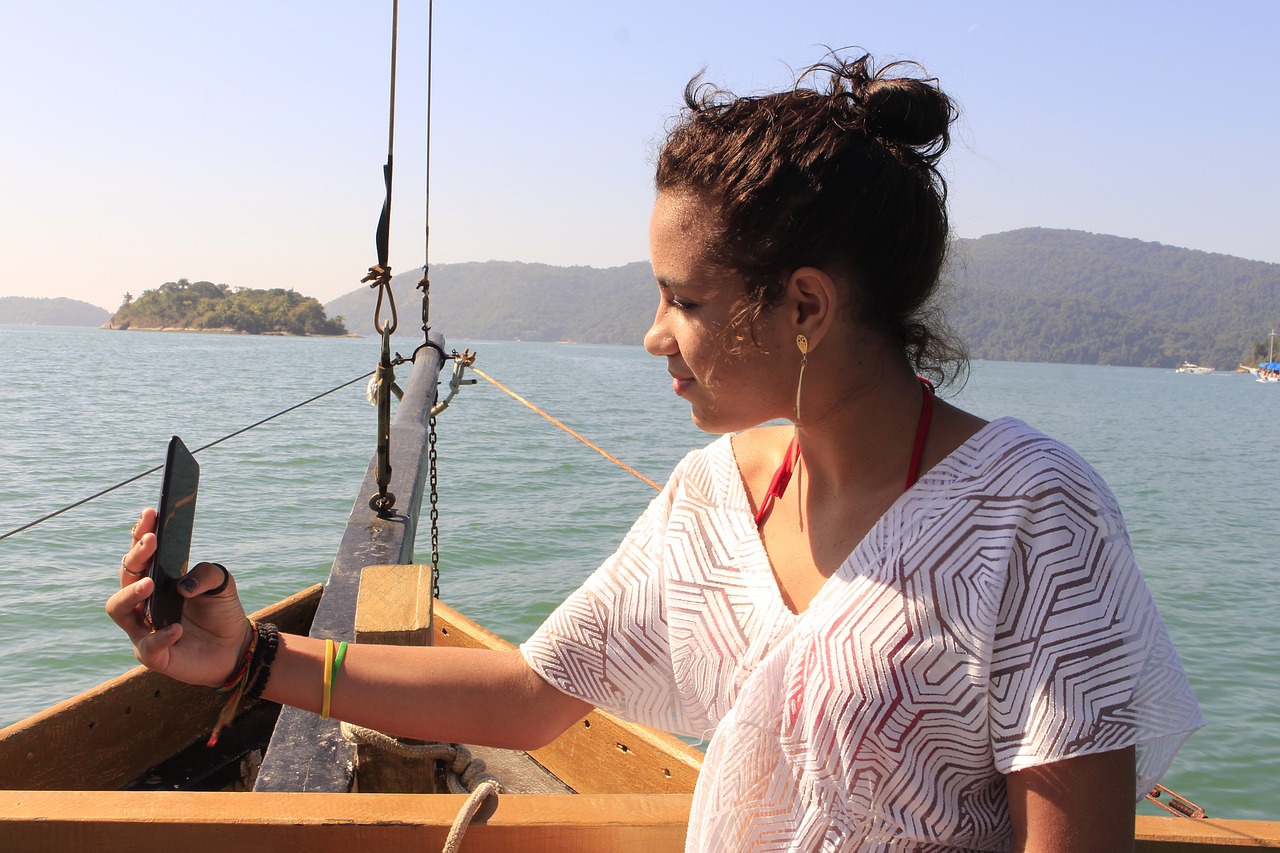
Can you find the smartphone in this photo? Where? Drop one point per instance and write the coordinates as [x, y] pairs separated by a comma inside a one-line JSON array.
[[175, 517]]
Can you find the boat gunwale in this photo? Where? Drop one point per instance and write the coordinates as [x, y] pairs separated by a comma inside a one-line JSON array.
[[322, 822]]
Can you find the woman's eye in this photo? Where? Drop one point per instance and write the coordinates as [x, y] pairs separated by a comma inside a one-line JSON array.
[[682, 305]]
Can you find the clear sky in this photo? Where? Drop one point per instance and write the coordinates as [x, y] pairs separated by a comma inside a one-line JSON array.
[[242, 141]]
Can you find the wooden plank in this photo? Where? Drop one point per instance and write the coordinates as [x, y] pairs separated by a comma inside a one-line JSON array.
[[113, 822], [336, 823], [307, 753], [110, 735], [1186, 835], [600, 754], [394, 606]]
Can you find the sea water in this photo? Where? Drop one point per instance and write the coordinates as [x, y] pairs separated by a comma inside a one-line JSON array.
[[526, 511]]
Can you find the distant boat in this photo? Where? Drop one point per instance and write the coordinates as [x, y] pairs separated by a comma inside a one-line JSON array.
[[1269, 370], [1188, 367]]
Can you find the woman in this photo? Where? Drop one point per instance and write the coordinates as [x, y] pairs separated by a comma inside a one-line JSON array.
[[904, 628]]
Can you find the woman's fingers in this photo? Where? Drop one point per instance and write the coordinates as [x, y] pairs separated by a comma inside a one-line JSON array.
[[125, 608], [146, 523], [152, 649], [211, 579], [134, 563]]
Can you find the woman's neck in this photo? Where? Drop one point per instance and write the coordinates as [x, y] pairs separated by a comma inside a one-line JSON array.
[[860, 437]]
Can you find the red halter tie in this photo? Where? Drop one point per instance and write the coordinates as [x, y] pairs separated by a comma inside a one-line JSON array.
[[782, 477]]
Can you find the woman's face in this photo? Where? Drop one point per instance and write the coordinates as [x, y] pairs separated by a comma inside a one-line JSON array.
[[730, 383]]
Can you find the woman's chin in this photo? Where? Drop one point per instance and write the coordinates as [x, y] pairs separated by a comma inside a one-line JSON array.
[[718, 423]]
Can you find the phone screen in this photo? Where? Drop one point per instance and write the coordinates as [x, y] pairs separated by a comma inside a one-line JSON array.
[[175, 518]]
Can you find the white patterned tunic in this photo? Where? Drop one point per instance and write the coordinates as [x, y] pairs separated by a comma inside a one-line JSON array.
[[993, 619]]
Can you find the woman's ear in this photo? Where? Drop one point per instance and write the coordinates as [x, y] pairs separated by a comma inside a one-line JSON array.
[[811, 303]]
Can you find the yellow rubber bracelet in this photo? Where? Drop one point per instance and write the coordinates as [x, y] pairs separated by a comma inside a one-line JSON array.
[[328, 679]]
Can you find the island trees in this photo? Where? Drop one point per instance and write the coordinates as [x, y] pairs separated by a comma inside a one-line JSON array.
[[203, 305]]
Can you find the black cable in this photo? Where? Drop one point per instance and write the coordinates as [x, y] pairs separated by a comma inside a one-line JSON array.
[[124, 483]]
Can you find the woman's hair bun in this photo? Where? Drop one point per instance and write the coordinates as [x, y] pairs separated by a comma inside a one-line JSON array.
[[907, 110], [892, 103]]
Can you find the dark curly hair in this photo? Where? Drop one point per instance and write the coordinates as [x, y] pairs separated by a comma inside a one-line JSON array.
[[838, 173]]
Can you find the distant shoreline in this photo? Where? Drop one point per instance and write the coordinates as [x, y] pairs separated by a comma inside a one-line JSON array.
[[225, 330]]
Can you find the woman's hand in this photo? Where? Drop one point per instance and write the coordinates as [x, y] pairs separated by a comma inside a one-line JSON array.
[[206, 647]]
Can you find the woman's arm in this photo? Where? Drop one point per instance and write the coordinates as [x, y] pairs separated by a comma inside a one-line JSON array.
[[1080, 805], [453, 695]]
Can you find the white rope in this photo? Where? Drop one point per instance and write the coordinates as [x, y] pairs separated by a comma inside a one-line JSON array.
[[486, 788], [464, 774]]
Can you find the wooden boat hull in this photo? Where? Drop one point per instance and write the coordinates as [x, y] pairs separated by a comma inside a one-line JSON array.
[[635, 785], [110, 736]]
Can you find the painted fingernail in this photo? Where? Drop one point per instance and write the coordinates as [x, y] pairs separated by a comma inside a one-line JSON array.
[[188, 583]]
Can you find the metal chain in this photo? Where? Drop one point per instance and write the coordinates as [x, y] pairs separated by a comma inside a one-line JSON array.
[[435, 508]]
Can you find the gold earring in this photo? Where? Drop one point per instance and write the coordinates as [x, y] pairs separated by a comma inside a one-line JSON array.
[[802, 343]]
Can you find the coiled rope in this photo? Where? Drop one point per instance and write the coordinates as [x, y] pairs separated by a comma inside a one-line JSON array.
[[137, 477], [463, 773]]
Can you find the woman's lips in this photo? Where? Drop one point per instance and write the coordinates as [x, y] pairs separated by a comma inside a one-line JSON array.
[[680, 386]]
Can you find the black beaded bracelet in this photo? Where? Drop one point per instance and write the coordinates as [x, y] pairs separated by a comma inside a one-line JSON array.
[[265, 653]]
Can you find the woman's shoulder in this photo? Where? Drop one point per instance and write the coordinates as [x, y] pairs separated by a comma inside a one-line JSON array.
[[1021, 459]]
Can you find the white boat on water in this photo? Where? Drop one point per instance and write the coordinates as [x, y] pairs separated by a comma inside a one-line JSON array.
[[1267, 371], [1188, 367]]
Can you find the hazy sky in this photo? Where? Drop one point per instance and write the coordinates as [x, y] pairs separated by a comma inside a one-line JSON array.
[[242, 142]]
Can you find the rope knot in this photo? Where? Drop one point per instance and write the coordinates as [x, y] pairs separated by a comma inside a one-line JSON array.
[[464, 774]]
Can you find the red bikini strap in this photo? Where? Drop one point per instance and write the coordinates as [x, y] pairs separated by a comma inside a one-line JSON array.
[[778, 485], [922, 433]]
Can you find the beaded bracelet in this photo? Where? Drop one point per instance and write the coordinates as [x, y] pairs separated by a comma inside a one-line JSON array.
[[260, 669]]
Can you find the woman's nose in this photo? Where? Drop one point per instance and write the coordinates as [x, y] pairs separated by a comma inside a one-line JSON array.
[[658, 340]]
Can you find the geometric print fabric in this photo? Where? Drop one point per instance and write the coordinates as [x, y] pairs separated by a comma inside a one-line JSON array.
[[993, 619]]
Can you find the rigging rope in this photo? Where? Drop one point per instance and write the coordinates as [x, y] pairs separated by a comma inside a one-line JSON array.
[[606, 454], [380, 273], [124, 483], [380, 277], [424, 284]]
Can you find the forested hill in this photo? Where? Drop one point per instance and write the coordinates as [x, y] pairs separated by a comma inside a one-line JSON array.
[[44, 311], [510, 301], [1030, 295], [1069, 296]]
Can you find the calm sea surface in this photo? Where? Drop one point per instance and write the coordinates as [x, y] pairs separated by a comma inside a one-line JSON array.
[[527, 512]]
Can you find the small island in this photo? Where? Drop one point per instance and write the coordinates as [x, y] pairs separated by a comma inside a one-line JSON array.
[[203, 306]]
